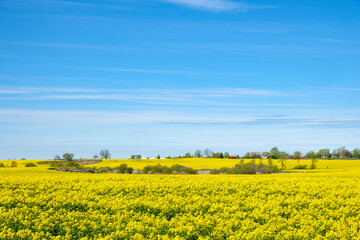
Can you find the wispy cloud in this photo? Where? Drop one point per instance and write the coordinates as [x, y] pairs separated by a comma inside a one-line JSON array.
[[218, 5], [276, 121], [167, 118], [160, 96], [148, 70], [50, 2], [72, 3], [161, 71], [66, 45], [221, 92], [338, 89]]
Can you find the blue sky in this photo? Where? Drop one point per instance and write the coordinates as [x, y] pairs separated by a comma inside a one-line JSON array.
[[171, 76]]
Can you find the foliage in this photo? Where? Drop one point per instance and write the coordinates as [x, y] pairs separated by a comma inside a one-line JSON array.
[[168, 170], [135, 156], [68, 156], [300, 167], [311, 154], [282, 163], [313, 163], [248, 168], [274, 153], [65, 164], [123, 168], [252, 155], [323, 153], [30, 165]]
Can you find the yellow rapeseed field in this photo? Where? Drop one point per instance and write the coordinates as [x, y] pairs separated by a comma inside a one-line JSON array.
[[211, 163], [37, 203]]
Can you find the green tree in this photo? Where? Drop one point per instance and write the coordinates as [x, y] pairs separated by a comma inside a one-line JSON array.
[[356, 153], [68, 156], [345, 153], [313, 163], [282, 162], [274, 153], [311, 154], [324, 153], [297, 155], [158, 157], [221, 155]]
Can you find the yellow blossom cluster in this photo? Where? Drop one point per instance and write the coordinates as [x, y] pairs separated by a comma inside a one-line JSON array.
[[57, 205]]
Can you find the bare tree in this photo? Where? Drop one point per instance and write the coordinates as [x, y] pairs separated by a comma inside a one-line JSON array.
[[207, 153], [198, 153], [57, 157], [105, 154]]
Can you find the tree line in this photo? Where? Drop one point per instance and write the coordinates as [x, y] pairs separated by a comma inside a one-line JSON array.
[[275, 153], [104, 154]]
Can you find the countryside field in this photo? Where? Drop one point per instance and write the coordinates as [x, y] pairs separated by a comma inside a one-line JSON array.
[[38, 203]]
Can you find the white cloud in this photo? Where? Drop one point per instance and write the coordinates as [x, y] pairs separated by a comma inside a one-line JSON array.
[[96, 118], [217, 5], [148, 95]]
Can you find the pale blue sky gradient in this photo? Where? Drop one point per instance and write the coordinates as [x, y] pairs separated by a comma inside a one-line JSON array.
[[171, 76]]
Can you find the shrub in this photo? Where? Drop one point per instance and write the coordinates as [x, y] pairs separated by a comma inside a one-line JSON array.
[[176, 168], [57, 165], [248, 168], [2, 165], [313, 164], [129, 170], [301, 167], [182, 169], [188, 170], [224, 170], [147, 169], [30, 165], [166, 170], [104, 169], [65, 164], [122, 168], [13, 164], [73, 164], [215, 171]]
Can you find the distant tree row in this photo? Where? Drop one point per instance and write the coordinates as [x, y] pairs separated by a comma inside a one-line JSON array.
[[104, 154], [275, 153]]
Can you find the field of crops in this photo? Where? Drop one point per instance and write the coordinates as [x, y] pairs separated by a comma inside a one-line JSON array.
[[37, 203], [211, 163]]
